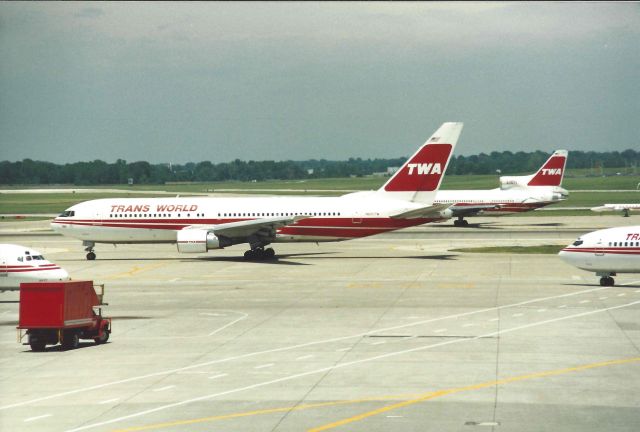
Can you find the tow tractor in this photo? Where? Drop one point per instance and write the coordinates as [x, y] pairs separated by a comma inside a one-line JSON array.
[[62, 312]]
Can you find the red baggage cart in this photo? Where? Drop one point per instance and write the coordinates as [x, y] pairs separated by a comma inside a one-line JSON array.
[[62, 312]]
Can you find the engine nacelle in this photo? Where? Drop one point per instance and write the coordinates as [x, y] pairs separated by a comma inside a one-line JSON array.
[[197, 241], [446, 213]]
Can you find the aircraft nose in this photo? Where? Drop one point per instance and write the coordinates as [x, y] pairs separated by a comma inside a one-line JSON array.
[[61, 274]]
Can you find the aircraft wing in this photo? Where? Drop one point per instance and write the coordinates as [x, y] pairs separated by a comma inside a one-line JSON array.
[[471, 210], [423, 212], [249, 227]]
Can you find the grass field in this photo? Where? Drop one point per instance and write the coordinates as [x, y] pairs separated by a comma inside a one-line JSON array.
[[57, 202], [542, 249]]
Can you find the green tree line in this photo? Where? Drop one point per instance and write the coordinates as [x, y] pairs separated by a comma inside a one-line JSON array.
[[99, 172]]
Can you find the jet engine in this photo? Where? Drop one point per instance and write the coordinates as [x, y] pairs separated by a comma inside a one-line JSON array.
[[197, 241]]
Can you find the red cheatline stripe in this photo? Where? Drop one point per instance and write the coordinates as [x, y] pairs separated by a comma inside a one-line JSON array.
[[619, 251], [27, 270]]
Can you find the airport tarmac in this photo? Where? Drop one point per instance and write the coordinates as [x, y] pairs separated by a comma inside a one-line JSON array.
[[388, 333]]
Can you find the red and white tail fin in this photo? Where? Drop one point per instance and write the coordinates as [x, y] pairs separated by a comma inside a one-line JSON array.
[[550, 174], [421, 175]]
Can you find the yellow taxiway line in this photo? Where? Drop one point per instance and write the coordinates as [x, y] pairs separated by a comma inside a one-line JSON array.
[[414, 400]]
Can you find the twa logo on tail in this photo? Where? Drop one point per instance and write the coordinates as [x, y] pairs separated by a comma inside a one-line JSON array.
[[425, 168], [551, 172], [423, 171]]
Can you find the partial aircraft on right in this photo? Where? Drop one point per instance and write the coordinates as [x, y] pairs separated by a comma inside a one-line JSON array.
[[606, 252]]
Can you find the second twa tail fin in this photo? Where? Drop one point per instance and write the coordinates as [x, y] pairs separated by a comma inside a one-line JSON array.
[[550, 174], [420, 176]]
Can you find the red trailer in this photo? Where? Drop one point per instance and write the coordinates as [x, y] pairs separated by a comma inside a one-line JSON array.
[[63, 312]]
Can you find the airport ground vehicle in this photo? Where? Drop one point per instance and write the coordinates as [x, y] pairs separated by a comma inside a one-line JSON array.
[[62, 312]]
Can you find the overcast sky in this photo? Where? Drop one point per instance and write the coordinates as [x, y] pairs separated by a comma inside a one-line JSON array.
[[178, 82]]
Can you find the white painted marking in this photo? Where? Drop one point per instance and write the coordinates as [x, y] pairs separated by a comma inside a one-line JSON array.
[[212, 314], [109, 401], [304, 357], [488, 424], [468, 325], [292, 347], [344, 349], [378, 343], [494, 319], [575, 277], [193, 372], [218, 376], [395, 416], [440, 330], [562, 306], [621, 295], [542, 310], [264, 366], [585, 301], [30, 419], [517, 315], [603, 298], [244, 315], [340, 366], [174, 280], [164, 388]]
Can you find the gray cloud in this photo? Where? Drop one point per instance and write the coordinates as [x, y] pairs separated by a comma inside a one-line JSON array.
[[218, 81]]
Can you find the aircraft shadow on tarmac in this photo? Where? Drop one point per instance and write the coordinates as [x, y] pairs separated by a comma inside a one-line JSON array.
[[595, 283], [280, 259]]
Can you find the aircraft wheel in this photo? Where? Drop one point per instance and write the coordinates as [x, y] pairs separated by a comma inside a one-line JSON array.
[[603, 281], [610, 281], [465, 223], [456, 223], [91, 256], [248, 255], [269, 253]]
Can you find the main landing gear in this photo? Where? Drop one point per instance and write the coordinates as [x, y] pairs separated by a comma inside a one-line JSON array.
[[91, 255], [460, 222], [259, 254], [606, 279]]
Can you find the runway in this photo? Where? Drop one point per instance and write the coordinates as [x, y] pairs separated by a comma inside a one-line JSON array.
[[389, 333]]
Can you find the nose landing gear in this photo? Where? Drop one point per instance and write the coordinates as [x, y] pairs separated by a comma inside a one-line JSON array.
[[91, 255]]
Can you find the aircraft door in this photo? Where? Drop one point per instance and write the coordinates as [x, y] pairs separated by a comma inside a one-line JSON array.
[[599, 248]]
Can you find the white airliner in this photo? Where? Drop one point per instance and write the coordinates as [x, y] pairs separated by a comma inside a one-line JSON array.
[[20, 264], [516, 193], [197, 225], [606, 252], [624, 208]]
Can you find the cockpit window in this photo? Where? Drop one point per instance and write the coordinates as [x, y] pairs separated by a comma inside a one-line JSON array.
[[28, 258], [578, 242], [38, 257], [68, 213]]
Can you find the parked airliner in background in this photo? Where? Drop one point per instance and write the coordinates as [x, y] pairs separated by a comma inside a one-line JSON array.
[[624, 208], [197, 225], [20, 264], [606, 252], [516, 193]]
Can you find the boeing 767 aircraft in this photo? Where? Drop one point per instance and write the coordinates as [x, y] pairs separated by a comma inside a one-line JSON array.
[[197, 225]]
